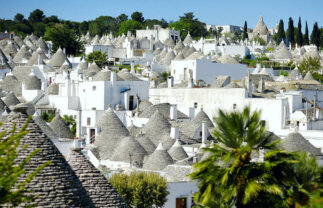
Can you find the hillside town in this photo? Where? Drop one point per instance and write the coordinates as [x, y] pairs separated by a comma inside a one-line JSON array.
[[151, 106]]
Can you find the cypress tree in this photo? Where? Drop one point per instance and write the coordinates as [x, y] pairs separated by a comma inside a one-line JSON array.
[[315, 36], [281, 32], [290, 32], [299, 35], [306, 39], [245, 31]]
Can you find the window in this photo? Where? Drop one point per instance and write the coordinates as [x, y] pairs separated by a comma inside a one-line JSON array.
[[83, 90], [93, 88], [234, 106], [195, 105], [89, 121], [94, 108]]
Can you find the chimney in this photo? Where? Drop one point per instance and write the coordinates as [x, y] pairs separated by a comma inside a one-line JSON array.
[[64, 51], [173, 112], [249, 85], [174, 132], [10, 59], [113, 77], [76, 143], [153, 83], [132, 70], [190, 83], [204, 132], [170, 81], [191, 112]]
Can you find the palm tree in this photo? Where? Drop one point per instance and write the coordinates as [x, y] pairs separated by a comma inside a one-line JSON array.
[[230, 176], [304, 181]]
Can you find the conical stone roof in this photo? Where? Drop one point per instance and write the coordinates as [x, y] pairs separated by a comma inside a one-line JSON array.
[[40, 43], [34, 58], [60, 128], [58, 59], [10, 49], [129, 150], [188, 39], [102, 193], [261, 28], [44, 127], [159, 159], [23, 54], [32, 82], [296, 142], [56, 185], [2, 106], [11, 99], [112, 130], [18, 41], [308, 76], [179, 46], [283, 53], [157, 51], [189, 52], [146, 143], [179, 56], [177, 152], [156, 127], [52, 89], [202, 116]]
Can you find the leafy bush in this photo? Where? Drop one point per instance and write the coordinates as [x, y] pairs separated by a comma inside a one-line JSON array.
[[141, 190]]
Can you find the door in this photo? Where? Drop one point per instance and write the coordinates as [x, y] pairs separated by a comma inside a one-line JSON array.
[[92, 136], [131, 102], [181, 203]]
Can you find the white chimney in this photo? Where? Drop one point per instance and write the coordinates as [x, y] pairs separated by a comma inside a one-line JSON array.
[[204, 132], [10, 59], [174, 132], [64, 51], [113, 77], [170, 81], [132, 70], [191, 112], [173, 112]]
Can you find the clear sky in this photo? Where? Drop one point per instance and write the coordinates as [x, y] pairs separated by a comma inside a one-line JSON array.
[[224, 12]]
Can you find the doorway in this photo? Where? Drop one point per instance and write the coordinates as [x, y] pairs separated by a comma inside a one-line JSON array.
[[131, 98], [181, 202], [92, 136]]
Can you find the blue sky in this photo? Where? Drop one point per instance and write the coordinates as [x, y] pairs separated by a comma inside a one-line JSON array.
[[209, 11]]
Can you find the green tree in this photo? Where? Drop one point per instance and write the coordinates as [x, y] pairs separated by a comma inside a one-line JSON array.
[[306, 37], [98, 57], [96, 28], [315, 36], [129, 25], [19, 17], [281, 32], [84, 27], [12, 190], [63, 37], [122, 18], [299, 35], [141, 190], [290, 32], [228, 176], [70, 122], [48, 117], [245, 31], [305, 180], [39, 29], [188, 23], [36, 16], [137, 16], [310, 64]]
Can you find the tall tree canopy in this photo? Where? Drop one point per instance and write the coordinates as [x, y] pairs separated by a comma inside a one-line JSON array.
[[188, 23], [290, 32], [137, 16], [61, 36], [299, 34], [245, 31], [315, 35], [281, 32], [129, 25], [36, 16], [306, 35]]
